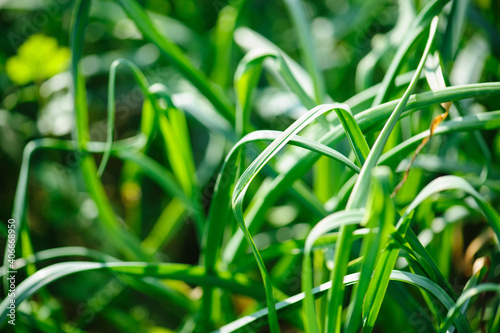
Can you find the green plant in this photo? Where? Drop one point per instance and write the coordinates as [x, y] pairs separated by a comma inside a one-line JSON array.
[[407, 237]]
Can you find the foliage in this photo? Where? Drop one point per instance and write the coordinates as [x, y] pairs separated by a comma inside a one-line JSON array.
[[195, 170]]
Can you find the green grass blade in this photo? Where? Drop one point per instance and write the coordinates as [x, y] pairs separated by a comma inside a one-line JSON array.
[[384, 46], [293, 246], [224, 30], [380, 281], [256, 319], [118, 149], [481, 121], [244, 181], [177, 58], [122, 240], [485, 287], [455, 28], [357, 199], [60, 252], [249, 40], [435, 79], [381, 216], [302, 27], [191, 274], [166, 226], [219, 207], [158, 173], [367, 120], [354, 135], [425, 259], [302, 142], [418, 26], [246, 79], [143, 85], [176, 137], [446, 183], [175, 133], [329, 223], [222, 186]]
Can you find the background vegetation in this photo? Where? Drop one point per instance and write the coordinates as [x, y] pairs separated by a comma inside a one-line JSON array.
[[181, 165]]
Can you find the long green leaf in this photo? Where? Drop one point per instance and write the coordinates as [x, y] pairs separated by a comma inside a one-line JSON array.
[[219, 208], [381, 216], [380, 280], [249, 174], [302, 27], [329, 223], [257, 319], [357, 199], [485, 287], [481, 121], [178, 59], [191, 274], [418, 26], [367, 120]]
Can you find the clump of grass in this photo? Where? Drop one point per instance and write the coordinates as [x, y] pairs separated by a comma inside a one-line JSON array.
[[360, 237]]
